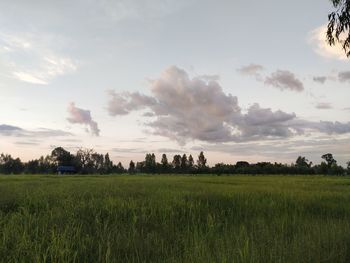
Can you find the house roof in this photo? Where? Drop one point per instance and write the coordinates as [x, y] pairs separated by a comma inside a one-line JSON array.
[[63, 168]]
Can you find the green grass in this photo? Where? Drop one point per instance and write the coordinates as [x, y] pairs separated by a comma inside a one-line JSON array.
[[174, 219]]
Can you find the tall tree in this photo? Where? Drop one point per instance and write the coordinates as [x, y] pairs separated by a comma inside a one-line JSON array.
[[85, 160], [62, 157], [177, 162], [131, 167], [184, 163], [120, 168], [302, 162], [338, 29], [150, 163], [202, 161], [328, 157], [164, 162], [108, 164], [190, 161]]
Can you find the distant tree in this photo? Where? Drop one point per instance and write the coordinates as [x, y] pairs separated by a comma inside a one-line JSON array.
[[177, 162], [338, 29], [120, 168], [62, 157], [303, 162], [328, 157], [164, 163], [107, 164], [150, 163], [202, 161], [9, 165], [348, 167], [85, 160], [131, 167], [190, 162], [184, 163], [46, 165], [32, 167], [97, 162]]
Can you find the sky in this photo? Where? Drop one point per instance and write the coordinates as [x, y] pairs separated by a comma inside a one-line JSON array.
[[238, 80]]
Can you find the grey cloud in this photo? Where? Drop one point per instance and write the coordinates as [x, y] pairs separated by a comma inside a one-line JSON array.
[[344, 76], [9, 130], [128, 150], [327, 127], [186, 109], [81, 116], [324, 105], [260, 123], [168, 150], [260, 116], [252, 70], [284, 79], [123, 103], [29, 143], [320, 79]]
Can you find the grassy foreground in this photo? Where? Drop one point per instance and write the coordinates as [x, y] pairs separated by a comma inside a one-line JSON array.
[[174, 219]]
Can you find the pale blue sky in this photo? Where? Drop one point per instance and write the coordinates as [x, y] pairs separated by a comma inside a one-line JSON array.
[[53, 53]]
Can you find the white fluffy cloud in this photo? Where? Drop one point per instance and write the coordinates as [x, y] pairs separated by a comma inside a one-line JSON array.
[[81, 116], [32, 58], [184, 108]]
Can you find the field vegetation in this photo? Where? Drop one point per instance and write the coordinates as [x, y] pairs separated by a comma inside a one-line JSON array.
[[168, 218]]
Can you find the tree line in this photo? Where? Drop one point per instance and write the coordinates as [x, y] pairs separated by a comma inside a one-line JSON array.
[[87, 161]]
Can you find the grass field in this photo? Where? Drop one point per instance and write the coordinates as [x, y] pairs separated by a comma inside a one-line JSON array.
[[174, 219]]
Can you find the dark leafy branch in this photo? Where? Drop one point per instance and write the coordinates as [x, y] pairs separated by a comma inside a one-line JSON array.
[[338, 29]]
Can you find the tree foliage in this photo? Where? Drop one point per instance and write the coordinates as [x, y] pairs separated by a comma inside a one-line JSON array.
[[338, 29], [87, 161]]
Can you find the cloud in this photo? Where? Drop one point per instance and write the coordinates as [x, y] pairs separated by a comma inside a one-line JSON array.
[[169, 150], [32, 58], [344, 76], [320, 79], [185, 109], [284, 80], [252, 70], [327, 127], [123, 103], [323, 106], [263, 123], [9, 130], [317, 38], [81, 116], [283, 149], [128, 150], [30, 143]]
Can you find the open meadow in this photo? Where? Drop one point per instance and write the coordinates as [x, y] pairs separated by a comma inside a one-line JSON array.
[[174, 219]]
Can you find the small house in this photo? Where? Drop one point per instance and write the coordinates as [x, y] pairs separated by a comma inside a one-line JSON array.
[[66, 169]]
